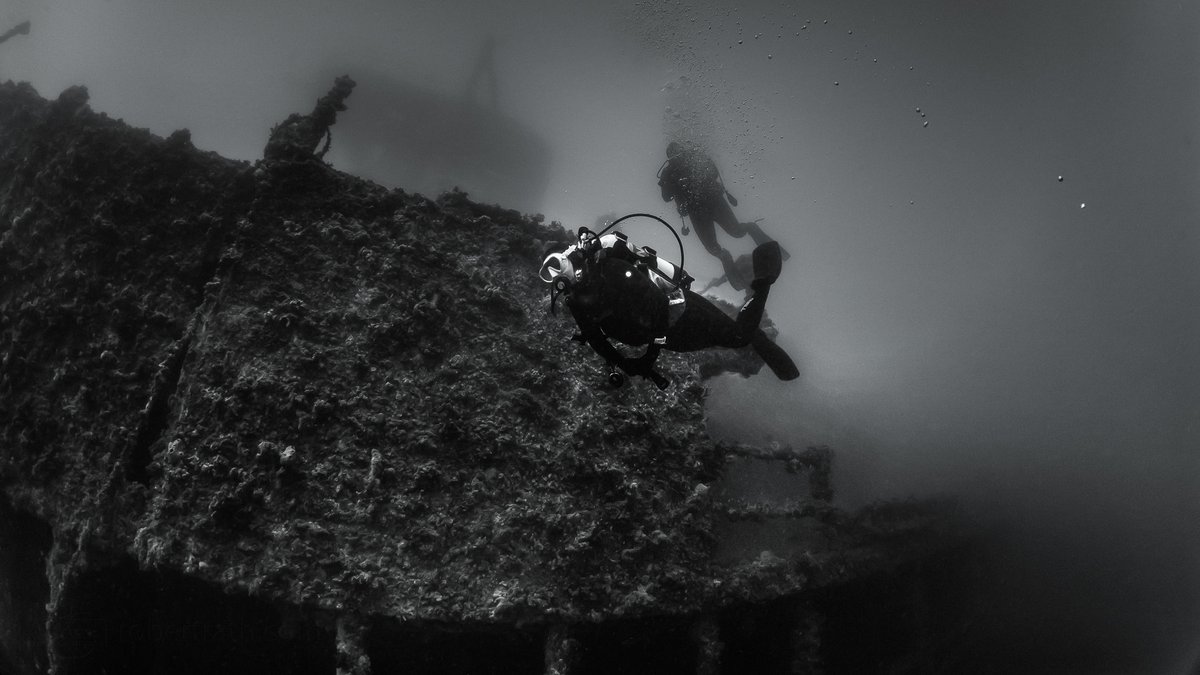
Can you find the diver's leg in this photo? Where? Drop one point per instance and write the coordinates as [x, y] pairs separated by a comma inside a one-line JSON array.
[[704, 325], [701, 326], [723, 214], [728, 222], [756, 233], [706, 230], [773, 355], [767, 265]]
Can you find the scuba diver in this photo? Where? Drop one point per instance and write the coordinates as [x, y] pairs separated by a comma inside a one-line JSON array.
[[691, 179], [629, 294]]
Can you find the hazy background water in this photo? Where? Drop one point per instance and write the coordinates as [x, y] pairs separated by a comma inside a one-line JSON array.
[[967, 323]]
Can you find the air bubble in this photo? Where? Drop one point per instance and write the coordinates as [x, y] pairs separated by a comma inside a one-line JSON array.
[[1060, 179]]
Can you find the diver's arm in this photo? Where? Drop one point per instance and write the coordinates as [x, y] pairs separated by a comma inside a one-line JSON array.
[[598, 342], [642, 365], [645, 363]]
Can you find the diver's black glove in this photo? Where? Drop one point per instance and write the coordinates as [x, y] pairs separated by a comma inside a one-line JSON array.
[[644, 366]]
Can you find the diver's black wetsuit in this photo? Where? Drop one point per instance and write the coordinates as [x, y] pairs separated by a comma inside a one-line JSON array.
[[620, 302]]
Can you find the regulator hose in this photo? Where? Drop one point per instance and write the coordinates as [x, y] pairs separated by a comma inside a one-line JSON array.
[[649, 215]]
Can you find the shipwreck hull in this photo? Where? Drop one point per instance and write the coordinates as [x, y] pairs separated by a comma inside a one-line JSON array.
[[337, 417]]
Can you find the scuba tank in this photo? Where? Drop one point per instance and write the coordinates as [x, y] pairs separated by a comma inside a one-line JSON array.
[[646, 259], [671, 279], [570, 266]]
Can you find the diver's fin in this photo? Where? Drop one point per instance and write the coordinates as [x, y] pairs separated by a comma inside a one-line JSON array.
[[760, 237], [768, 262], [773, 355]]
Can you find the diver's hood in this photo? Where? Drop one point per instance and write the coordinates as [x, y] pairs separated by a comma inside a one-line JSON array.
[[559, 267], [565, 269], [559, 270]]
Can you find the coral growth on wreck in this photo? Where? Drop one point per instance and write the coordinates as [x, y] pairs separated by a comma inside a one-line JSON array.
[[287, 382]]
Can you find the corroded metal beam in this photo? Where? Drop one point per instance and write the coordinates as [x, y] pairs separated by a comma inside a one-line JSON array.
[[818, 460], [737, 509], [562, 651]]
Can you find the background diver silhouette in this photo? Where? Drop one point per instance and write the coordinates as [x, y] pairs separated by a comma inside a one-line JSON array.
[[612, 293], [691, 179]]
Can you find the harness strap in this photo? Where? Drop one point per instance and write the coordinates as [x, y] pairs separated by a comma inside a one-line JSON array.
[[676, 300]]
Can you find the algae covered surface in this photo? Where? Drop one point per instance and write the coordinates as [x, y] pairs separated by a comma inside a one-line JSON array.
[[287, 381], [379, 393]]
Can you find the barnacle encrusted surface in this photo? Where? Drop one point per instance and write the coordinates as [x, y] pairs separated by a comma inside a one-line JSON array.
[[281, 379]]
